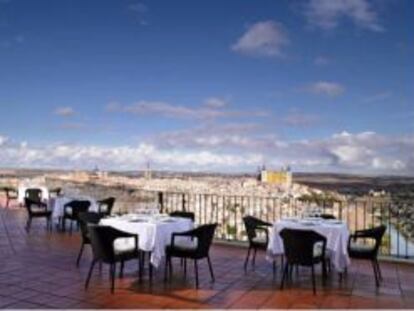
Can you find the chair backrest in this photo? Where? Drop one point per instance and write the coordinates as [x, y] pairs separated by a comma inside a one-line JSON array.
[[204, 235], [251, 223], [55, 191], [102, 241], [108, 203], [188, 215], [299, 245], [78, 206], [327, 216], [34, 194], [377, 234], [85, 219], [9, 191]]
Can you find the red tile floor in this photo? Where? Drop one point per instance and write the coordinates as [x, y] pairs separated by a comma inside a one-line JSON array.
[[38, 270]]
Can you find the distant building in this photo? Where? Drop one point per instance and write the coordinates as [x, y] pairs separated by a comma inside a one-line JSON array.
[[282, 177], [148, 172]]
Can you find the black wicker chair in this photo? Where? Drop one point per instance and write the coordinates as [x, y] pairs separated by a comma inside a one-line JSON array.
[[71, 211], [328, 216], [253, 226], [37, 209], [34, 194], [105, 206], [85, 219], [11, 194], [103, 240], [188, 215], [368, 251], [198, 247], [55, 192], [303, 248]]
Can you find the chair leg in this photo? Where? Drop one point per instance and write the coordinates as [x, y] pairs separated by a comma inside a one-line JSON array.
[[285, 272], [211, 269], [274, 268], [375, 273], [71, 227], [254, 258], [170, 267], [29, 224], [313, 280], [196, 272], [378, 269], [141, 265], [121, 270], [324, 272], [166, 269], [89, 274], [139, 268], [150, 271], [247, 259], [113, 269], [185, 268], [50, 223], [79, 255]]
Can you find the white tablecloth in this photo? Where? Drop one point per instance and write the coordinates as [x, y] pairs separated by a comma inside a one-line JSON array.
[[56, 205], [22, 192], [337, 236], [153, 235]]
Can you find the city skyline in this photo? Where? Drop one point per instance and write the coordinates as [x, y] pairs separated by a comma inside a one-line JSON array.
[[322, 86]]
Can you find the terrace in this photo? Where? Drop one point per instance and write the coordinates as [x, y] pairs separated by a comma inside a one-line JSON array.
[[38, 270]]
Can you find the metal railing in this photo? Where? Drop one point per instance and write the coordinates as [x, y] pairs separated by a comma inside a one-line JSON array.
[[361, 213], [228, 211]]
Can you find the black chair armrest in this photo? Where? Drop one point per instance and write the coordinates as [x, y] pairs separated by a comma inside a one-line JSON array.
[[117, 234], [39, 204], [362, 234]]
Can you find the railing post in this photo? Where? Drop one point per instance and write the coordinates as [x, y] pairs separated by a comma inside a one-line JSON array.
[[161, 201], [183, 202]]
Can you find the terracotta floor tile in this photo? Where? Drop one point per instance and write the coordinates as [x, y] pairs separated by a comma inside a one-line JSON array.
[[39, 271]]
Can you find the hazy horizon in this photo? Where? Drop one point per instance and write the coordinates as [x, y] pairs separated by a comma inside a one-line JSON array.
[[324, 86]]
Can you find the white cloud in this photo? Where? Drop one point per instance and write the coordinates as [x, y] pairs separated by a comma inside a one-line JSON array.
[[212, 108], [228, 148], [3, 140], [267, 38], [321, 61], [215, 102], [380, 96], [327, 88], [64, 111], [300, 119], [140, 12], [327, 14]]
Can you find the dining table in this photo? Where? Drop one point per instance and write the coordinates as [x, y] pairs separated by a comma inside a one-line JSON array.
[[57, 205], [154, 231], [335, 231]]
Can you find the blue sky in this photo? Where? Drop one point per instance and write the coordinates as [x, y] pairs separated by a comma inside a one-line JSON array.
[[321, 85]]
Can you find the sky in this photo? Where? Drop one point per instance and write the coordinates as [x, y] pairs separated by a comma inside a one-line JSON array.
[[319, 85]]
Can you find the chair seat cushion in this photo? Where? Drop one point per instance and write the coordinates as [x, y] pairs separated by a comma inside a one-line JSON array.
[[361, 248], [259, 240], [318, 249], [37, 209], [103, 208], [185, 244], [68, 210], [124, 245]]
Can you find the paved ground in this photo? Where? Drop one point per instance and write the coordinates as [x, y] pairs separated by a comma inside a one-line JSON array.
[[37, 270]]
